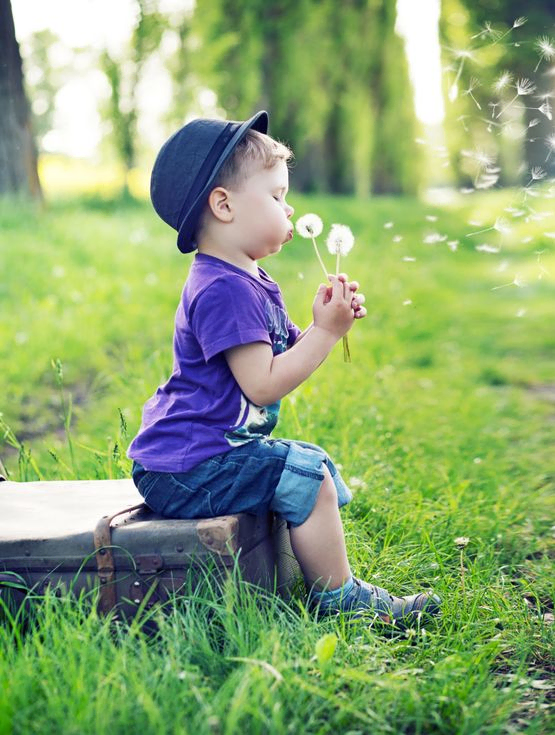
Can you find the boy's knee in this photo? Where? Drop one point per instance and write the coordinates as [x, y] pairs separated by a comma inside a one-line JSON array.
[[327, 492]]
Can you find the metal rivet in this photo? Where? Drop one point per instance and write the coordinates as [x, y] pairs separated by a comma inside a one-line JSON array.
[[179, 548], [136, 584], [102, 551], [136, 601]]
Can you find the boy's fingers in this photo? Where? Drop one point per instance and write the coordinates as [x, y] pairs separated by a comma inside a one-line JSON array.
[[360, 313], [337, 287], [354, 285]]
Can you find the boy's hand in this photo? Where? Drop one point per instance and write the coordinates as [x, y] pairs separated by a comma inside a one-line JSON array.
[[332, 309], [358, 298]]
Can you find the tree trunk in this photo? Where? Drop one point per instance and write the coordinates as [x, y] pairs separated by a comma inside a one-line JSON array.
[[18, 155]]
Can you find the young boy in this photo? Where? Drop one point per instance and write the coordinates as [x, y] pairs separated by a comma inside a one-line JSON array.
[[204, 446]]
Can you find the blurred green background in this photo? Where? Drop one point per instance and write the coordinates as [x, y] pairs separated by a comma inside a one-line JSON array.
[[427, 127]]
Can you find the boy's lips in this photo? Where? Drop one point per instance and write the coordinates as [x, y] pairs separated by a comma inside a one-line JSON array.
[[289, 236]]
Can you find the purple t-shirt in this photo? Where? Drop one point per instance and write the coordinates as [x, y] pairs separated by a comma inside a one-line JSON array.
[[201, 411]]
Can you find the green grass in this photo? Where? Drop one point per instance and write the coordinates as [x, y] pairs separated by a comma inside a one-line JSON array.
[[443, 424]]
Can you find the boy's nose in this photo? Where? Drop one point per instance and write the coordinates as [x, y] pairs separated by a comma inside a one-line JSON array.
[[290, 211]]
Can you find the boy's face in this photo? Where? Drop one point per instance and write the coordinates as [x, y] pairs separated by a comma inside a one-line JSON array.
[[261, 214]]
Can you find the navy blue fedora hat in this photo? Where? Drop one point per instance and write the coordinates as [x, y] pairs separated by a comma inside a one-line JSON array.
[[187, 166]]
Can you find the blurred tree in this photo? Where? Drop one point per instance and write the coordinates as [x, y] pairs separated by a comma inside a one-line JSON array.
[[334, 78], [42, 81], [18, 156], [124, 75]]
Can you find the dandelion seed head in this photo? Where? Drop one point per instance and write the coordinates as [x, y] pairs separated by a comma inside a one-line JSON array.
[[309, 225], [461, 541], [340, 239]]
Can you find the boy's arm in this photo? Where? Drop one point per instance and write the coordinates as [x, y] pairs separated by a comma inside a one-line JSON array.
[[265, 378]]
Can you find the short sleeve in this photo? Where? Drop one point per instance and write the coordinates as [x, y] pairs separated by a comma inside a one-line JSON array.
[[230, 312]]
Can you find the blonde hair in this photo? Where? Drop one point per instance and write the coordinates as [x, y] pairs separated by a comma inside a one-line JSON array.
[[255, 151]]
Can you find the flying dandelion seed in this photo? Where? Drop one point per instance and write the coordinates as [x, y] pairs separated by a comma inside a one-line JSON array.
[[452, 245], [409, 259], [487, 179], [545, 109], [516, 24], [485, 248], [397, 238], [550, 143], [536, 174], [472, 85], [533, 122], [501, 225], [520, 313], [523, 88], [546, 49], [486, 31], [463, 55], [431, 217], [433, 238], [407, 302], [503, 81], [517, 281], [388, 225]]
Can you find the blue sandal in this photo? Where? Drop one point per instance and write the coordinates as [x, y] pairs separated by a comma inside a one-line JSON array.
[[366, 598]]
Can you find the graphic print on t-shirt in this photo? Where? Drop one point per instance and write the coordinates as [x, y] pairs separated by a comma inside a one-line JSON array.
[[276, 320], [255, 421]]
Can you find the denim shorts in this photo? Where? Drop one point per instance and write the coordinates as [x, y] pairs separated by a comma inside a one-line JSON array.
[[260, 476]]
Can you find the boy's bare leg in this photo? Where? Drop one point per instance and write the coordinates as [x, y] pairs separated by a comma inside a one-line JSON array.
[[319, 543]]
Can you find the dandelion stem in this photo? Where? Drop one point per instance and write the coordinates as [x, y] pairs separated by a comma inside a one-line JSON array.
[[320, 258], [479, 232], [462, 573]]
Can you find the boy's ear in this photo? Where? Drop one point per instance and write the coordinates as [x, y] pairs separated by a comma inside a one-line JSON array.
[[219, 202]]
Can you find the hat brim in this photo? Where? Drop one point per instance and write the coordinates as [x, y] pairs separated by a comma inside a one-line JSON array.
[[185, 241]]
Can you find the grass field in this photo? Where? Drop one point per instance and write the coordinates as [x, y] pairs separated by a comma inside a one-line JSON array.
[[443, 424]]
